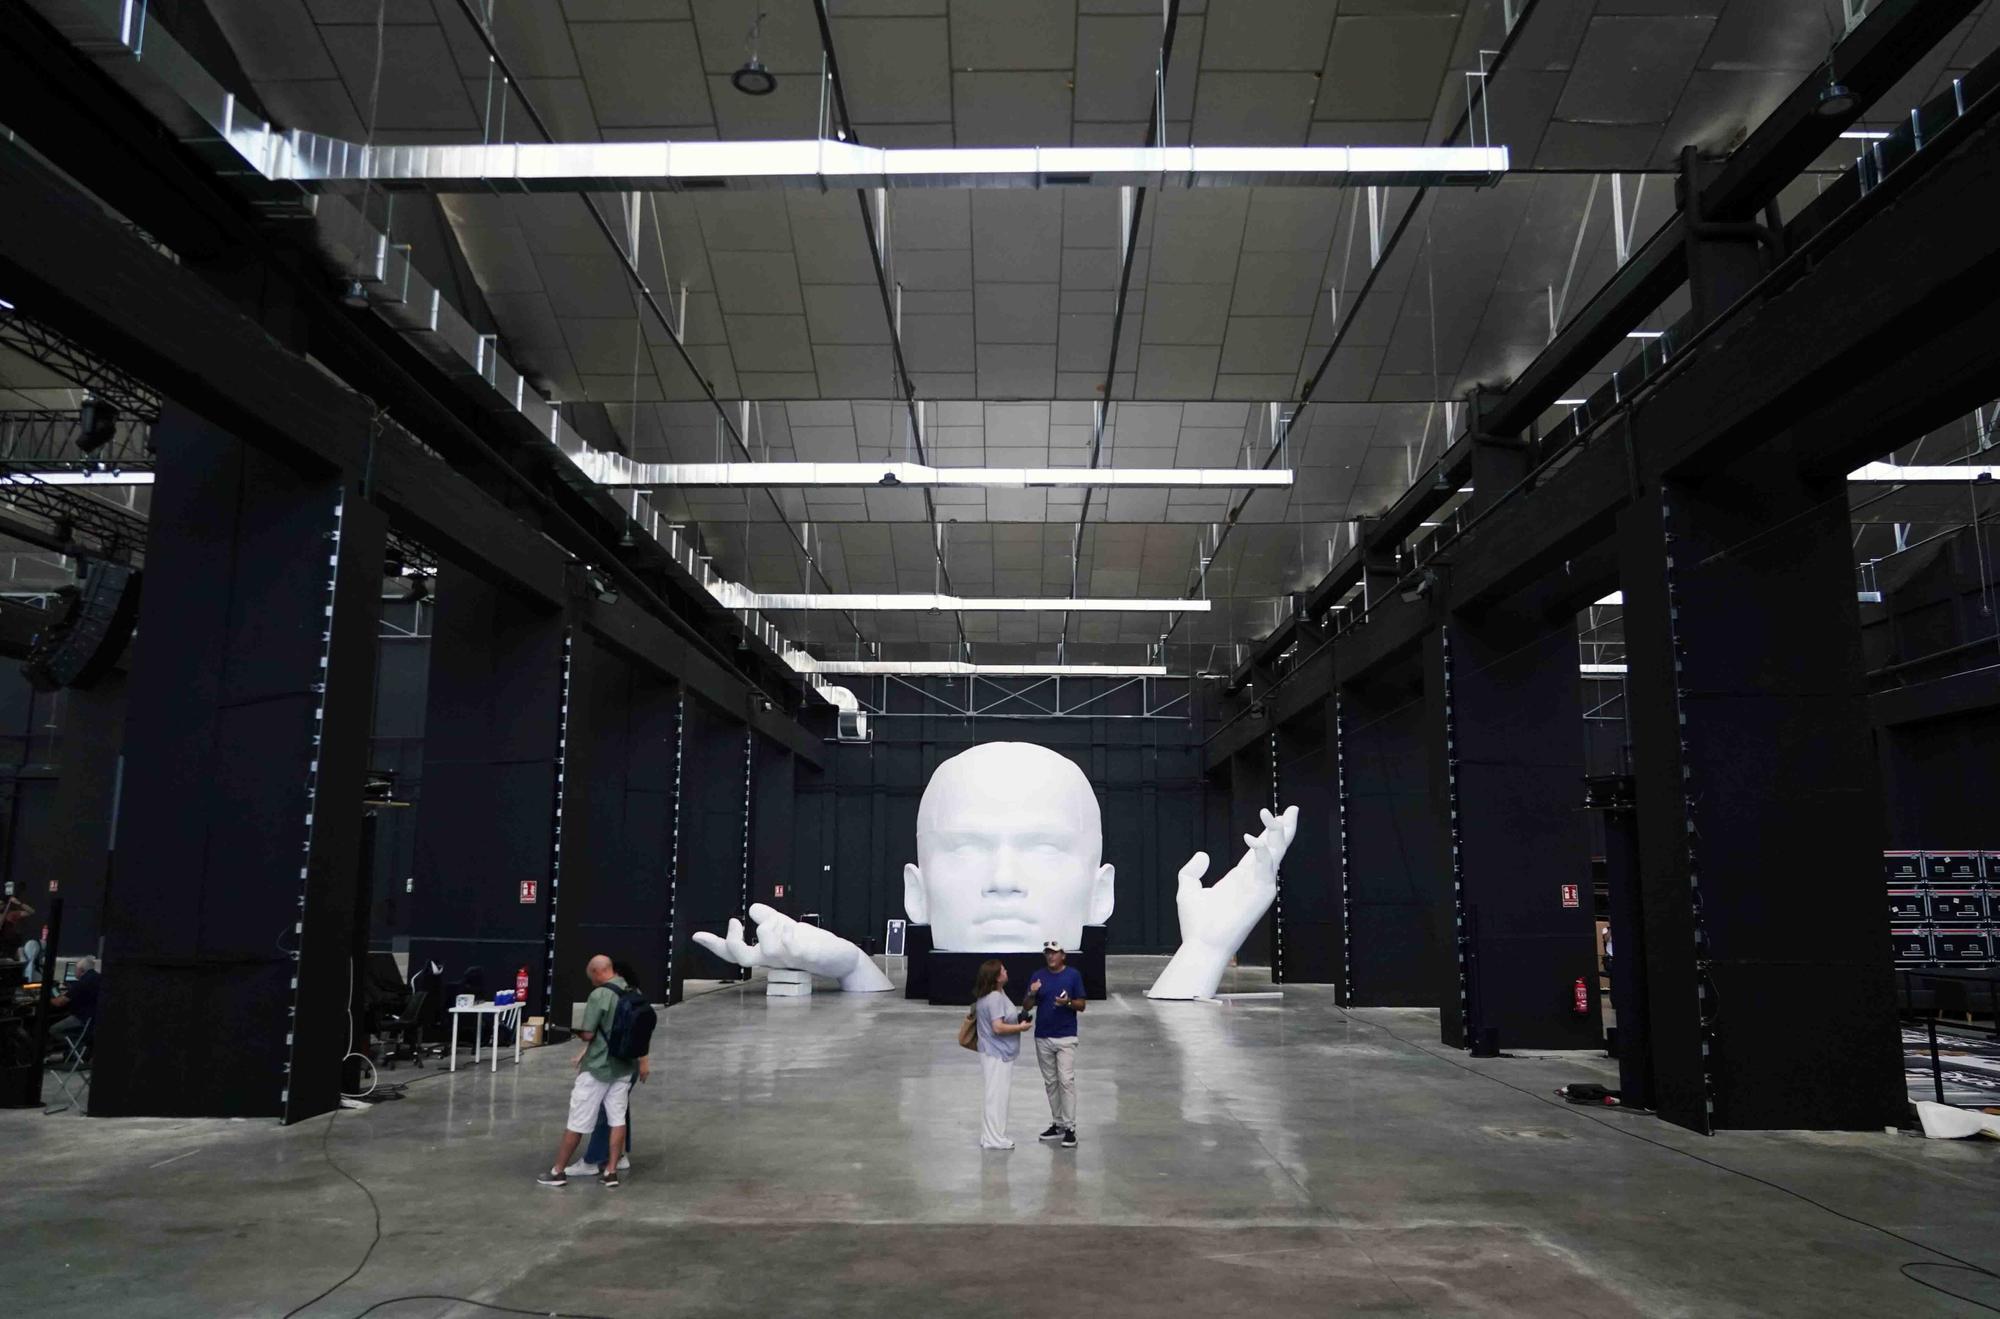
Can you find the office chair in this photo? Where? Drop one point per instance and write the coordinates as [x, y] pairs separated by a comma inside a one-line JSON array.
[[403, 1027]]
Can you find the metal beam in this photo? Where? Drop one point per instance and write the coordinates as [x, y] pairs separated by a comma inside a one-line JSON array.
[[1869, 61], [80, 271]]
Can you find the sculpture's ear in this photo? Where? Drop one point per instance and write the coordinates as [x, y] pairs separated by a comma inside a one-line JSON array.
[[915, 906], [1103, 894]]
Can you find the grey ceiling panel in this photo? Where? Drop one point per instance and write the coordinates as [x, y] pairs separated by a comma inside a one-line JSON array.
[[642, 74], [758, 283], [855, 372], [1016, 370], [1023, 34], [1173, 371], [1263, 344], [938, 343], [846, 314], [934, 270], [585, 285], [744, 222], [894, 70], [1116, 56], [770, 343], [275, 38], [1185, 314], [1269, 34], [1385, 66], [1016, 313], [1253, 109], [412, 96], [1017, 234], [1011, 109], [1630, 70]]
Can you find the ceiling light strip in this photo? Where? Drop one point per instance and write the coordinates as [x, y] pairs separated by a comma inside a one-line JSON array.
[[966, 669], [312, 158], [736, 597], [617, 470]]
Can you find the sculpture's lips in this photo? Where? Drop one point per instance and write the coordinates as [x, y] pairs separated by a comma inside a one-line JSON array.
[[1017, 919]]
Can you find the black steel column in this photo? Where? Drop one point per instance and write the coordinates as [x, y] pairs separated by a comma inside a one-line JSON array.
[[713, 835], [1760, 813], [493, 732], [86, 797], [1399, 910], [1508, 788], [1249, 793], [618, 822], [1309, 883], [232, 914]]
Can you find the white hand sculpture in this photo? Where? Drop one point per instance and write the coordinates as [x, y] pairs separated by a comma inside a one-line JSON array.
[[1216, 920], [790, 945]]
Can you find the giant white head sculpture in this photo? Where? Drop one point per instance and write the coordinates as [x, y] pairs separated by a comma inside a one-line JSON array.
[[1009, 845]]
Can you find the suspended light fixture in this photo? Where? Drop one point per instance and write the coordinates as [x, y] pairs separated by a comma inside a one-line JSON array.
[[1836, 99], [753, 79]]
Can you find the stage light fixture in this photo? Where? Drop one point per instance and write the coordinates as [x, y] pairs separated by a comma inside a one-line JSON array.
[[97, 425], [354, 294], [1418, 587]]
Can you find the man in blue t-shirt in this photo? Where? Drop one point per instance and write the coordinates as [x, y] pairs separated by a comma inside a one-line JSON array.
[[1057, 996]]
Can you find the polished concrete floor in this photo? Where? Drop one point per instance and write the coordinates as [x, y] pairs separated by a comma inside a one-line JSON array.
[[816, 1157]]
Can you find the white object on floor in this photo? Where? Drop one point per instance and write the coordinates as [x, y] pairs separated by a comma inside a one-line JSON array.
[[582, 1169], [1943, 1122], [782, 982]]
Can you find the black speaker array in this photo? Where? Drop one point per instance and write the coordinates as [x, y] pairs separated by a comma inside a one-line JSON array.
[[85, 641]]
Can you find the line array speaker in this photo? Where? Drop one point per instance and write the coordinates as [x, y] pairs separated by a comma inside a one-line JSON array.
[[85, 641]]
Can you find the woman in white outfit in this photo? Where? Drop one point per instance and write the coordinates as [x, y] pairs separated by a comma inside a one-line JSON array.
[[999, 1025]]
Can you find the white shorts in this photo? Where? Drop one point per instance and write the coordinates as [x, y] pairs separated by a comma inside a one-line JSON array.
[[590, 1094]]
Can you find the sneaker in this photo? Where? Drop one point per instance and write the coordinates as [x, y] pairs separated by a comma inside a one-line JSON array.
[[1069, 1140], [624, 1163], [1003, 1145], [581, 1169], [1054, 1132], [552, 1179], [609, 1180]]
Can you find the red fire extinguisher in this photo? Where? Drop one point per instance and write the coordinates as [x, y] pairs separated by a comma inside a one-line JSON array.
[[1582, 1005], [521, 985]]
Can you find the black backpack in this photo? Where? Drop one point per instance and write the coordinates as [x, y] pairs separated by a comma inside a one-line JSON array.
[[630, 1035]]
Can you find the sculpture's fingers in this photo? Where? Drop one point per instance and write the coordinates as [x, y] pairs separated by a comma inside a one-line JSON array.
[[1290, 820], [1191, 873], [1270, 820], [714, 944], [741, 953], [764, 914]]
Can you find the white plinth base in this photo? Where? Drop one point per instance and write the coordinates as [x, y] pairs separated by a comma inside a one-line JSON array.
[[788, 984]]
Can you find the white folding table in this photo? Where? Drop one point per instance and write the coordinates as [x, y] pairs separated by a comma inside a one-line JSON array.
[[499, 1012]]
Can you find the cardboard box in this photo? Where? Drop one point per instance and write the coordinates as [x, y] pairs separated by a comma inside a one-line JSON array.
[[534, 1032]]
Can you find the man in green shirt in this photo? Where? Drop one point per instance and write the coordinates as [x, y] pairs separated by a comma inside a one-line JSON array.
[[601, 1080]]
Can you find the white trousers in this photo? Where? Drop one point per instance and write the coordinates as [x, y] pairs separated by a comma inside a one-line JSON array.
[[998, 1076], [1058, 1062]]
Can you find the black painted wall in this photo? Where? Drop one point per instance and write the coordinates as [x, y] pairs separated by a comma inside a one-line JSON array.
[[1309, 882]]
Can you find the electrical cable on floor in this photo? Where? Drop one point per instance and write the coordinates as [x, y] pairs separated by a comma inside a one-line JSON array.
[[327, 1154], [484, 1305], [1955, 1263]]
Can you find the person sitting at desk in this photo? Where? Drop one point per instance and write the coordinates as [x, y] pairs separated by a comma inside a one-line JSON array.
[[79, 1001]]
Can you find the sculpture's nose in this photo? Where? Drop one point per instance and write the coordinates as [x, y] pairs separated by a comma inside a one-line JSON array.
[[1005, 879]]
